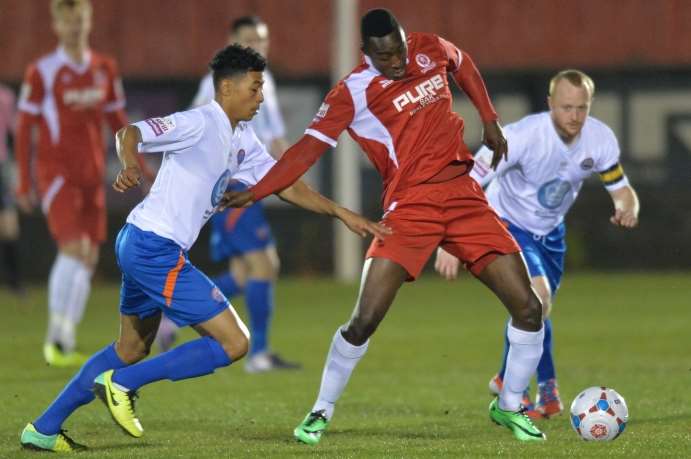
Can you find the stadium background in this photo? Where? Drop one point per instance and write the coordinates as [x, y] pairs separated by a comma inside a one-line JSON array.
[[638, 52]]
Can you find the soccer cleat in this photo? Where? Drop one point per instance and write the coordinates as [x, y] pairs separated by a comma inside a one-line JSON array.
[[311, 428], [58, 443], [495, 386], [517, 421], [120, 403], [265, 361], [548, 402], [55, 357]]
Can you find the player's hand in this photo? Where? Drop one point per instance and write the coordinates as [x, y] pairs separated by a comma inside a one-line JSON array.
[[361, 226], [493, 137], [127, 178], [26, 202], [624, 218], [446, 264], [236, 199]]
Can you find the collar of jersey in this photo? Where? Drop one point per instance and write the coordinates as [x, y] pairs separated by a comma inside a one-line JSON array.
[[79, 68]]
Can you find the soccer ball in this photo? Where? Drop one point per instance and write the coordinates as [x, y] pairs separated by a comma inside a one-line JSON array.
[[599, 414]]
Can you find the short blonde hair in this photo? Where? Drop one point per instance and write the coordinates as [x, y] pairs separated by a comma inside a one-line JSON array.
[[56, 6], [575, 77]]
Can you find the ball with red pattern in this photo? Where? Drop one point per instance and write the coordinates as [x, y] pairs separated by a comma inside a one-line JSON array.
[[599, 414]]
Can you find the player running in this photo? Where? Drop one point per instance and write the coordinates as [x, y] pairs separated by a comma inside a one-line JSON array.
[[397, 106], [67, 94], [550, 155], [242, 237], [204, 149]]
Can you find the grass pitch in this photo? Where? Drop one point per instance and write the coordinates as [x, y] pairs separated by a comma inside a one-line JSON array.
[[421, 391]]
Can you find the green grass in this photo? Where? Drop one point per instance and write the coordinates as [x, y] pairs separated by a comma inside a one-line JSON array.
[[420, 391]]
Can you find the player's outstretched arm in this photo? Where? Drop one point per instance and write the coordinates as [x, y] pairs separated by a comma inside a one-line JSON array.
[[292, 165], [626, 207], [126, 141], [25, 126], [303, 196]]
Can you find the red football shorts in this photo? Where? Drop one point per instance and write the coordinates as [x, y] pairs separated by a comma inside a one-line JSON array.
[[74, 212], [454, 215]]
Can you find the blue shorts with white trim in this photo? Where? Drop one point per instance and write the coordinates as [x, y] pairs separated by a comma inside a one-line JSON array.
[[157, 276]]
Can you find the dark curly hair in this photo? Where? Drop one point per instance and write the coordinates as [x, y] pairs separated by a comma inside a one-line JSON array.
[[235, 60]]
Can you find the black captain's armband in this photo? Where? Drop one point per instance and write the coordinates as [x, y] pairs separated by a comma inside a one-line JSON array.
[[612, 175]]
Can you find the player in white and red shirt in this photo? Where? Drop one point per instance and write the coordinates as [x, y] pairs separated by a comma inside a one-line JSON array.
[[68, 94], [397, 106]]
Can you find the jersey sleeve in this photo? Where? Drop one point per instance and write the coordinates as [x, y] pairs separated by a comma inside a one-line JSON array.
[[453, 55], [334, 116], [482, 171], [256, 163], [205, 93], [32, 92], [115, 97], [170, 133], [608, 166]]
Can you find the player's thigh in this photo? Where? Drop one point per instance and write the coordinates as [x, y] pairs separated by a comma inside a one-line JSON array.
[[61, 203], [93, 215], [228, 329], [259, 265]]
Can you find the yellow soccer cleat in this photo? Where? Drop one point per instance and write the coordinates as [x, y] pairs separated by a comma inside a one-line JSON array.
[[57, 443], [120, 403], [55, 357]]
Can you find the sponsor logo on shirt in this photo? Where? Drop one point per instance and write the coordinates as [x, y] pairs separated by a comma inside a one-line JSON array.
[[220, 188], [161, 125], [551, 194], [423, 94], [83, 98], [385, 83], [424, 62], [241, 156], [323, 110]]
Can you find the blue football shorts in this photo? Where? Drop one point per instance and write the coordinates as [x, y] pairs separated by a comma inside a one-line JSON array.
[[544, 255], [235, 232], [157, 276]]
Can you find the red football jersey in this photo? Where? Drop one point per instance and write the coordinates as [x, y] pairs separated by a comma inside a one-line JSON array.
[[406, 127], [71, 101]]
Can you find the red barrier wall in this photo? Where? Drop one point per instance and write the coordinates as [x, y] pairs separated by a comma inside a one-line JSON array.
[[164, 38]]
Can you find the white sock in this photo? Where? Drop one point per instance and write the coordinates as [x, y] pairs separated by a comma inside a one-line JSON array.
[[74, 312], [66, 289], [340, 363], [524, 355]]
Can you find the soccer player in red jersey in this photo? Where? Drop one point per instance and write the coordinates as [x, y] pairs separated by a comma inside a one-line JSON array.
[[397, 106], [67, 95]]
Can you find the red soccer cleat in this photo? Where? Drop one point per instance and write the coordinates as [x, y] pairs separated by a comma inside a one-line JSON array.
[[548, 403]]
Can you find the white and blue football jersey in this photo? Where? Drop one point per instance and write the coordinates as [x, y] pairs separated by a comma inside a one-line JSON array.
[[202, 153], [267, 123], [535, 187]]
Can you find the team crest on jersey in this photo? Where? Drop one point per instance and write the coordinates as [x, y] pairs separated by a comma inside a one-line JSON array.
[[552, 194], [161, 125], [241, 156], [217, 295], [587, 164], [424, 62]]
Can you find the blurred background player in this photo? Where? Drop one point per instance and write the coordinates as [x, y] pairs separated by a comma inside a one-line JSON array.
[[9, 223], [242, 237], [550, 155], [67, 94]]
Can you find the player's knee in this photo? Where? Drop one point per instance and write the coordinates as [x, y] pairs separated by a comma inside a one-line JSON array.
[[237, 348], [529, 315], [132, 351], [359, 329]]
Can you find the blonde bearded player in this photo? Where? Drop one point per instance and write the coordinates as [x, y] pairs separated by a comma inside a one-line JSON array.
[[550, 154]]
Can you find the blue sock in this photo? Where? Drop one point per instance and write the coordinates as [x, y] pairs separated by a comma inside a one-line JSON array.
[[259, 299], [507, 345], [78, 391], [545, 369], [190, 360], [226, 282]]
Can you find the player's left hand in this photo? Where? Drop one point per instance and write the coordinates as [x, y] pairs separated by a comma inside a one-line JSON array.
[[127, 178], [493, 137], [236, 199], [361, 226], [624, 218], [446, 264]]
